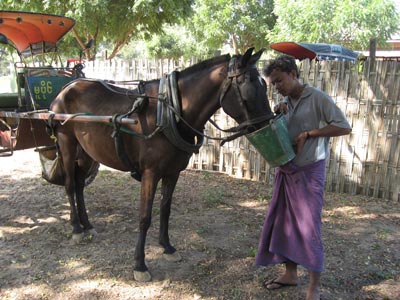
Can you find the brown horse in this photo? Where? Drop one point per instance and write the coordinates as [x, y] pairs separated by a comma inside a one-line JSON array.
[[170, 115]]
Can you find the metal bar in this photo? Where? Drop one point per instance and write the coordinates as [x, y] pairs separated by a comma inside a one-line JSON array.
[[64, 117]]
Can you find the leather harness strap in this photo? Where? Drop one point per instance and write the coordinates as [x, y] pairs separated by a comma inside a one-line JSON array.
[[169, 112]]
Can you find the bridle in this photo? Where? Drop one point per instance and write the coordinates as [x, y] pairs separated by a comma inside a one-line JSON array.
[[232, 81]]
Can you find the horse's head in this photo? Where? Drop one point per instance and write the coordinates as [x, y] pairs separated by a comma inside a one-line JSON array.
[[244, 92]]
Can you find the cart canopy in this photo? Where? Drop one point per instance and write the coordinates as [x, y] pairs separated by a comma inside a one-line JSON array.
[[318, 51], [34, 33]]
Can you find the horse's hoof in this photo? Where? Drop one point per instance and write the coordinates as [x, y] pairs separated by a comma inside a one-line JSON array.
[[77, 238], [92, 232], [142, 276], [174, 257]]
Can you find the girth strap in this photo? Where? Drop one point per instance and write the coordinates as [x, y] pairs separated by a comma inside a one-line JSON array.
[[120, 149]]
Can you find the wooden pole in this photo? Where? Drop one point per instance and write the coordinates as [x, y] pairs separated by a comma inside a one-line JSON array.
[[64, 117], [372, 49]]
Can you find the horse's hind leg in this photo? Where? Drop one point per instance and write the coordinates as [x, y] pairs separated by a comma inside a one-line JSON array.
[[80, 177], [68, 148], [168, 187]]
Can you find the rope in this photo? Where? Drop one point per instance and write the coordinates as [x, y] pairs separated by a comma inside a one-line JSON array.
[[73, 116]]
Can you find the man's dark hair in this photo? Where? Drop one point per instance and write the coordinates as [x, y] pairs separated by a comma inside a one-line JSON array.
[[284, 63]]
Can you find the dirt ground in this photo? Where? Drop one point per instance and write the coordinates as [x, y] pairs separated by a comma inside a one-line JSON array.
[[215, 225]]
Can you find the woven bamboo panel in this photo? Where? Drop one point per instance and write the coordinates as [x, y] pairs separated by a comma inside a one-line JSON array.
[[365, 162]]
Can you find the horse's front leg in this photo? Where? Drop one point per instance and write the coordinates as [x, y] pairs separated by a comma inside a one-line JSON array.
[[147, 192], [168, 187]]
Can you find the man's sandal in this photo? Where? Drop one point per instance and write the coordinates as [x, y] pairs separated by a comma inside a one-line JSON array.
[[276, 285]]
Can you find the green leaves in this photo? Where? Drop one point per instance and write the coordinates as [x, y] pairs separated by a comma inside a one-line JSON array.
[[349, 22], [113, 22], [203, 26], [240, 23]]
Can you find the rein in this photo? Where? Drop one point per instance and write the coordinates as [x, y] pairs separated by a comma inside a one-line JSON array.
[[238, 131], [169, 110]]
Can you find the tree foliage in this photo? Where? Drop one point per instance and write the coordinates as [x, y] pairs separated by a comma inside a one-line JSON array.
[[351, 23], [240, 23], [176, 42], [112, 22], [195, 27]]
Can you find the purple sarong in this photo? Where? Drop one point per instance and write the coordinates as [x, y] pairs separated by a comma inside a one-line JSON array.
[[292, 227]]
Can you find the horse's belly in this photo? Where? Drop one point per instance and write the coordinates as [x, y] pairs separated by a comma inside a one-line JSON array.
[[156, 153], [98, 143]]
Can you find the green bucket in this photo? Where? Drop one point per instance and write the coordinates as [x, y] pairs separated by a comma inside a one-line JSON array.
[[273, 142]]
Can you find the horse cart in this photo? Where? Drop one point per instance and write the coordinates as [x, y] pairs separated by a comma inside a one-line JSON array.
[[27, 90], [151, 130], [29, 85]]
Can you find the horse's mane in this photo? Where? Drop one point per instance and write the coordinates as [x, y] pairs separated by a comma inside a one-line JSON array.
[[205, 64], [201, 66]]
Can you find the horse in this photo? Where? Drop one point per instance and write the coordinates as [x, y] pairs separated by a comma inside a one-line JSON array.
[[169, 115]]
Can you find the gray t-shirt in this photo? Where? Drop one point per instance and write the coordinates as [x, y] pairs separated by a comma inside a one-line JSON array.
[[314, 109]]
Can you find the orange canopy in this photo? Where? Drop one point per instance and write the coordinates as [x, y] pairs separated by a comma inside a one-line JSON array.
[[34, 32]]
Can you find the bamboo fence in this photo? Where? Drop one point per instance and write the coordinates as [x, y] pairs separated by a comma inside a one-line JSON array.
[[365, 162]]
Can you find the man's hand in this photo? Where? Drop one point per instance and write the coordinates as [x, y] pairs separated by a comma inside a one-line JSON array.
[[281, 107], [300, 140]]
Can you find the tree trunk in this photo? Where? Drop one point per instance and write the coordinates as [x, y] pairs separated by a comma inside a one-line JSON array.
[[235, 44]]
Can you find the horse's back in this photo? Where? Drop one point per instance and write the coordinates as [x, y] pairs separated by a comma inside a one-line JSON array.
[[91, 96]]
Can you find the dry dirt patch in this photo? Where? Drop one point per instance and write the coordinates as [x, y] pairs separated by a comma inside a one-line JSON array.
[[215, 224]]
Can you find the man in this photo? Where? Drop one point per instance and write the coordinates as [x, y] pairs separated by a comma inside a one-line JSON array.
[[292, 229]]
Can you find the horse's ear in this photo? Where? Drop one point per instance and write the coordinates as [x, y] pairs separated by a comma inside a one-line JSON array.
[[247, 56], [256, 56]]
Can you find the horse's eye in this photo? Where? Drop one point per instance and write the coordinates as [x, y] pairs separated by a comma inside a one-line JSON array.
[[248, 91]]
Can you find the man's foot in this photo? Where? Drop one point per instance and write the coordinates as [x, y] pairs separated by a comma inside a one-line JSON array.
[[313, 294], [276, 284]]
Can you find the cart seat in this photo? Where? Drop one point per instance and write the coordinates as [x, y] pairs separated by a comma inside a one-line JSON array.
[[8, 101], [45, 83]]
